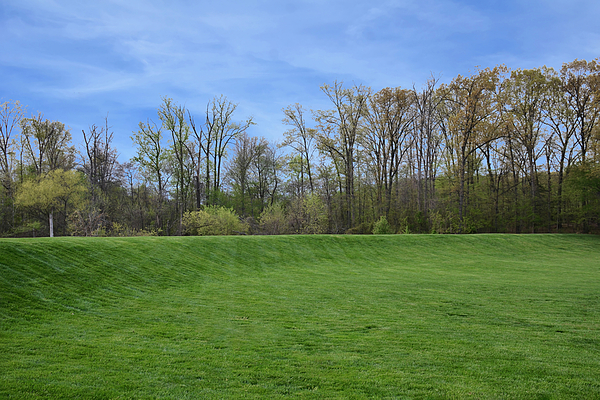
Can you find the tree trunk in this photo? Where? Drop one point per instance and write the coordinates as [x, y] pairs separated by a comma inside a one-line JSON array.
[[559, 210], [461, 189], [51, 222]]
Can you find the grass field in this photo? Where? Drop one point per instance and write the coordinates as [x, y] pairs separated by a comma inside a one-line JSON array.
[[396, 316]]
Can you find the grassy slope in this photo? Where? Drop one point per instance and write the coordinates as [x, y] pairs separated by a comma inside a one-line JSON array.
[[408, 316]]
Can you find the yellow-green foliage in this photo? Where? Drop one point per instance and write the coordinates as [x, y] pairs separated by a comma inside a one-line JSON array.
[[382, 227], [54, 189], [315, 214], [273, 220], [307, 215], [211, 221]]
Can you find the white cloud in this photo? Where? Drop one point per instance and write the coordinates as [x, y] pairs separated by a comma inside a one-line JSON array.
[[266, 54]]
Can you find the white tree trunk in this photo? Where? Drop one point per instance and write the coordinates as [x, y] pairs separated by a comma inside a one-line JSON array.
[[51, 223]]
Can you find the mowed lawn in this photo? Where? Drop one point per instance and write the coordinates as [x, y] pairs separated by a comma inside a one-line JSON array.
[[397, 316]]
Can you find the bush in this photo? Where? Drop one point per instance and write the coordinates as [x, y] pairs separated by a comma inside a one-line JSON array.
[[382, 227], [212, 221], [365, 228], [273, 220], [87, 221], [315, 215], [122, 230]]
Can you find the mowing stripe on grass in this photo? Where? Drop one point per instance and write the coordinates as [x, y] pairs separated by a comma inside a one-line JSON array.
[[391, 316]]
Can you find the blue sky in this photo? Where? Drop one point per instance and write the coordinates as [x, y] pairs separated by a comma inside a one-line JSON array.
[[77, 61]]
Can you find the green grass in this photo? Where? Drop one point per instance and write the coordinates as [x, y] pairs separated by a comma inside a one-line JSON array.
[[393, 316]]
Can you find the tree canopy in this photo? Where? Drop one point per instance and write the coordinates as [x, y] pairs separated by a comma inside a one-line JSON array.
[[495, 150]]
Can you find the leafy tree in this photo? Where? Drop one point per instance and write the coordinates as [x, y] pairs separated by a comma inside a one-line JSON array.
[[585, 183], [47, 144], [51, 191], [581, 84], [464, 157], [426, 142], [388, 138], [561, 120], [245, 151], [153, 158], [339, 132], [266, 167], [526, 98], [173, 119], [472, 120]]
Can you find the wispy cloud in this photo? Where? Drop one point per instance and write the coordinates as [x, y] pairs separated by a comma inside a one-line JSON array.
[[78, 59]]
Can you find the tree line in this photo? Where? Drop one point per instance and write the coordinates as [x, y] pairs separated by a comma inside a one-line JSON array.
[[498, 150]]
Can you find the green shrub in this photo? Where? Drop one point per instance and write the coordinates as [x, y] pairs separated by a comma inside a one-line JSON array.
[[382, 227], [315, 215], [273, 220], [212, 221], [364, 228]]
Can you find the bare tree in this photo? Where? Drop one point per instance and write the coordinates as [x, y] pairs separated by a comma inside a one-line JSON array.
[[10, 119], [100, 158], [301, 139], [427, 140], [222, 130], [201, 153]]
